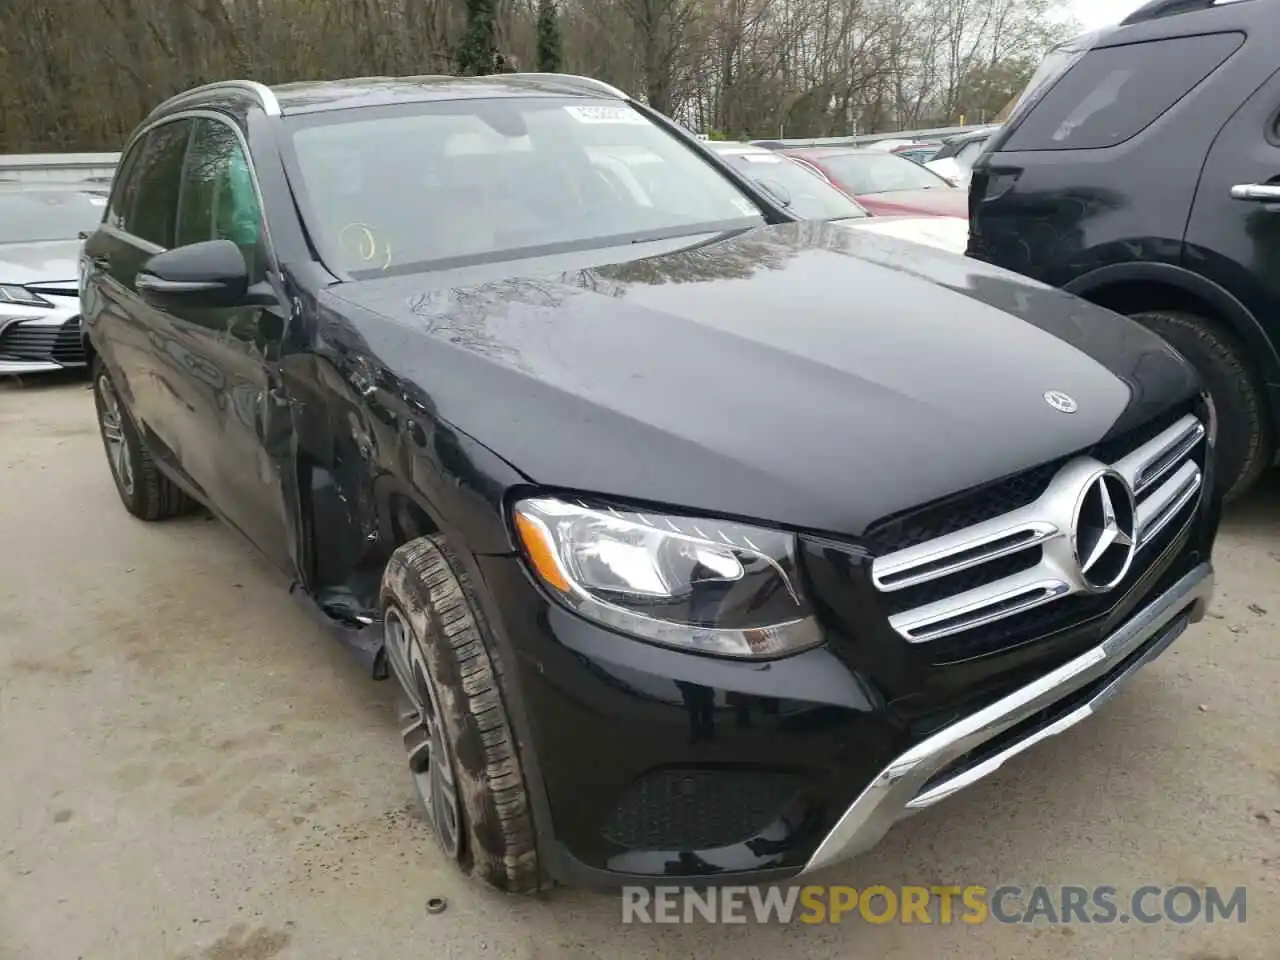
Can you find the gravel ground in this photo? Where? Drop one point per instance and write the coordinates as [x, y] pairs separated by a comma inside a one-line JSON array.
[[189, 769]]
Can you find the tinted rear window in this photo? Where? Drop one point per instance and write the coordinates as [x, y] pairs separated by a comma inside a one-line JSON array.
[[1113, 94]]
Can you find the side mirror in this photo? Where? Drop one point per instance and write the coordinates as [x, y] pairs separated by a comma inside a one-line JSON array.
[[211, 273]]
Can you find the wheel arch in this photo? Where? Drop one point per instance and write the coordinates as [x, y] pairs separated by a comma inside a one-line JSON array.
[[1130, 287]]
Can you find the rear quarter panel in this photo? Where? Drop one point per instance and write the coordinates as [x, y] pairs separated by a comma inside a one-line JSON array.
[[1056, 215]]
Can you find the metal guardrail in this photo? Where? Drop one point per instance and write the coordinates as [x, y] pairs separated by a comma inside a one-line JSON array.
[[57, 166], [935, 133]]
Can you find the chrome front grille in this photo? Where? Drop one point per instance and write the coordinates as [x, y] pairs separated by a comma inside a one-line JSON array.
[[1026, 558]]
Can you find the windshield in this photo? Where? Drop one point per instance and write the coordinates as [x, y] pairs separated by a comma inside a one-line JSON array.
[[802, 191], [863, 173], [35, 215], [470, 181]]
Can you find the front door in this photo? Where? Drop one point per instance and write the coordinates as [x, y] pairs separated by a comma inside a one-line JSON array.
[[239, 410]]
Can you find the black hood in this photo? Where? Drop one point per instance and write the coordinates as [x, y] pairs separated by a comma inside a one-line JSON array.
[[804, 374]]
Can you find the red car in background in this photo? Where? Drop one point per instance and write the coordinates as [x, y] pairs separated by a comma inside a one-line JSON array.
[[885, 183]]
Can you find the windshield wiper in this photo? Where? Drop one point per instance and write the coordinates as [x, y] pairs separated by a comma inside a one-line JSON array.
[[696, 230]]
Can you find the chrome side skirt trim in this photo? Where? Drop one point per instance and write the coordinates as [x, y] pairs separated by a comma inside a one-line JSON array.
[[899, 789]]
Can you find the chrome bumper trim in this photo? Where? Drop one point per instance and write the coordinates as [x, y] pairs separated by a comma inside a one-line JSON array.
[[16, 367], [898, 790]]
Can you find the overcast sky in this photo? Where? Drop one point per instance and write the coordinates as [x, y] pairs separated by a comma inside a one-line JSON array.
[[1092, 14]]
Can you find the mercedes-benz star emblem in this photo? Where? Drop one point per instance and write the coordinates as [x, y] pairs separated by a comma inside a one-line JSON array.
[[1061, 401], [1105, 536]]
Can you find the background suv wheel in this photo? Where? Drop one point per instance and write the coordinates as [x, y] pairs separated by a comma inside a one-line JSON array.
[[1245, 442]]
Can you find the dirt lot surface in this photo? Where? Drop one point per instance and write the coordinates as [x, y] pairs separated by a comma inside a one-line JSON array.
[[189, 769]]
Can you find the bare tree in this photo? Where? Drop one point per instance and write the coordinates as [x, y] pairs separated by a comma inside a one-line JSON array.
[[80, 74]]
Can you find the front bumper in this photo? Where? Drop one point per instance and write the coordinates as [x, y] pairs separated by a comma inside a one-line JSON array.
[[646, 764], [41, 341], [954, 758]]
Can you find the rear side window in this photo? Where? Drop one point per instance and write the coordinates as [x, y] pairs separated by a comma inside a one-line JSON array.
[[158, 173], [1113, 94], [126, 187]]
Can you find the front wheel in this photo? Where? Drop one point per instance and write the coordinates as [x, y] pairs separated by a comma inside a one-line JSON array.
[[462, 750], [1245, 443]]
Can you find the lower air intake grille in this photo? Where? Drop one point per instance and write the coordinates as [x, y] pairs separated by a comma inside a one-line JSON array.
[[32, 342], [689, 810]]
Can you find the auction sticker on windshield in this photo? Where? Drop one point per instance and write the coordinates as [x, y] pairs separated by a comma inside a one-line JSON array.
[[605, 114]]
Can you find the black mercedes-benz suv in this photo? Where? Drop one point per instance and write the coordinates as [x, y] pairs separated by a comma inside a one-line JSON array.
[[1141, 170], [699, 542]]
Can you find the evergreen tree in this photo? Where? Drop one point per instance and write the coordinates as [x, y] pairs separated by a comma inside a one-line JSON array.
[[549, 49], [478, 47]]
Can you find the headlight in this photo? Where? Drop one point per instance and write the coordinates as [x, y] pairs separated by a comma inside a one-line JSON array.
[[704, 585], [13, 295]]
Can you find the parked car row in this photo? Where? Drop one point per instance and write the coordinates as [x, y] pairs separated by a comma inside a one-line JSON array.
[[705, 526], [806, 191]]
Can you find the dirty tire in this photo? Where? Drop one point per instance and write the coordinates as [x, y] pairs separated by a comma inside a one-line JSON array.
[[429, 588], [150, 495], [1245, 442]]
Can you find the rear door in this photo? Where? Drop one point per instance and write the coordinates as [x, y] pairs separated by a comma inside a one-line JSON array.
[[1233, 236], [136, 339]]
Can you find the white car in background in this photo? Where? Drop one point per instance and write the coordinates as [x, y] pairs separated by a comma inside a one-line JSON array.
[[956, 158], [40, 226], [805, 191]]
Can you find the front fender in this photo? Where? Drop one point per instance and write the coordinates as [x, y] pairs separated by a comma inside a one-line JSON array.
[[457, 482]]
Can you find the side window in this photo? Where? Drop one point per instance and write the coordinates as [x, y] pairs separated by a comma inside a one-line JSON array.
[[158, 173], [126, 186], [1114, 93], [218, 197]]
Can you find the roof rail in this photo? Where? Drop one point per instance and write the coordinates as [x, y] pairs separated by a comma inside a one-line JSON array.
[[1157, 9], [572, 80], [267, 99]]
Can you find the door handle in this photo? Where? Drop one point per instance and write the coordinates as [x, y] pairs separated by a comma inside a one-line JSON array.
[[1257, 192]]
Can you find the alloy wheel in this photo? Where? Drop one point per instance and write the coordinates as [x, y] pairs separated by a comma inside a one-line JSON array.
[[111, 422], [431, 758]]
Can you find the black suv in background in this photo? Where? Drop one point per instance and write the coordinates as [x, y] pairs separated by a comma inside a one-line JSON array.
[[700, 542], [1141, 170]]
